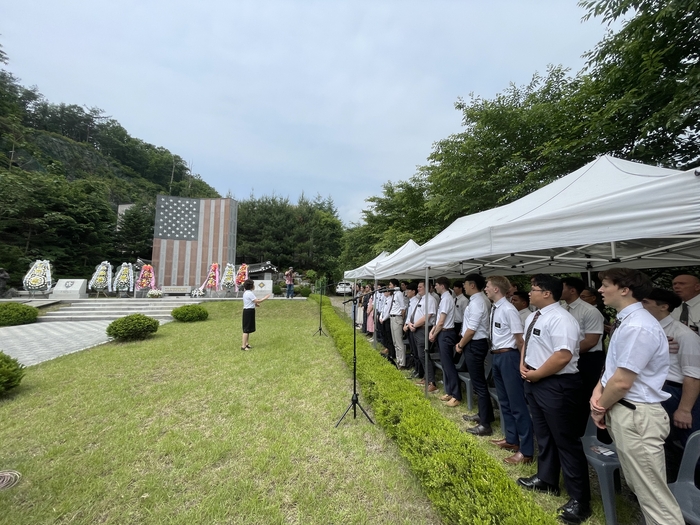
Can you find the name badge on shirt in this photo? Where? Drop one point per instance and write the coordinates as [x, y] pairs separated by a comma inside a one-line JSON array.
[[536, 331], [497, 325]]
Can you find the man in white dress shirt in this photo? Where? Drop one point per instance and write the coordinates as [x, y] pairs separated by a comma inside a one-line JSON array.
[[423, 315], [444, 333], [591, 356], [553, 391], [687, 287], [474, 342], [396, 313], [628, 397], [521, 301], [506, 343], [683, 380]]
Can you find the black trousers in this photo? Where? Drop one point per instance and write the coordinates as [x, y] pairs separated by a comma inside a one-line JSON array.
[[554, 403], [475, 355], [590, 366]]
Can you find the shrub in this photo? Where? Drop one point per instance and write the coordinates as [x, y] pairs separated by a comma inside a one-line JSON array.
[[189, 313], [12, 314], [276, 290], [132, 327], [304, 291], [464, 483], [11, 372]]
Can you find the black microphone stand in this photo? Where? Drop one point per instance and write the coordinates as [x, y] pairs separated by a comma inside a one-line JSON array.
[[320, 309], [354, 402]]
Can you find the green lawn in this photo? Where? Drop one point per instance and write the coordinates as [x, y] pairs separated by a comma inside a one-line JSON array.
[[187, 428]]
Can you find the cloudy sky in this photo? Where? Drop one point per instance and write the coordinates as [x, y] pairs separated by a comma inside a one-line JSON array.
[[290, 96]]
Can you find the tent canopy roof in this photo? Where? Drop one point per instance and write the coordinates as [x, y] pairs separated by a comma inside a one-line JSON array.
[[609, 212]]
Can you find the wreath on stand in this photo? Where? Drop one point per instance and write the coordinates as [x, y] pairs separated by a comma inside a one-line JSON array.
[[38, 278]]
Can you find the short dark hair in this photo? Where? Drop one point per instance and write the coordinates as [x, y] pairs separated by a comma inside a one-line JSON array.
[[394, 282], [548, 283], [248, 285], [659, 295], [477, 279], [458, 283], [523, 295], [412, 286], [444, 281], [574, 282], [638, 282]]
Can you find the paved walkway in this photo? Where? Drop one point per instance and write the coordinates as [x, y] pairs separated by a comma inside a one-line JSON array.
[[35, 343]]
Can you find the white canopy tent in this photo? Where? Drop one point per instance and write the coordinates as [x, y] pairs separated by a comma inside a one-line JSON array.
[[609, 212], [366, 271]]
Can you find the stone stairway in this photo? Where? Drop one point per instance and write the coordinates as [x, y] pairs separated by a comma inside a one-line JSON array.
[[111, 309]]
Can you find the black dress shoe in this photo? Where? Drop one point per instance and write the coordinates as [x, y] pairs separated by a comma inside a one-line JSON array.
[[472, 419], [574, 512], [535, 483], [481, 430]]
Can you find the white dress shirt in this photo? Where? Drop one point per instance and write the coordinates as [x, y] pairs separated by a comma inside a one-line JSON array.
[[412, 302], [447, 307], [693, 313], [505, 323], [476, 316], [555, 330], [425, 303], [397, 303], [589, 319], [640, 345], [686, 363], [461, 303]]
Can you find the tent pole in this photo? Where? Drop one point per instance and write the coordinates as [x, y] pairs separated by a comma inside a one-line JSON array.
[[590, 283], [426, 324], [374, 313]]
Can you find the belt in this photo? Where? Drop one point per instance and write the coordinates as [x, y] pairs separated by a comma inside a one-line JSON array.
[[673, 384], [502, 350], [397, 315], [627, 404], [529, 367]]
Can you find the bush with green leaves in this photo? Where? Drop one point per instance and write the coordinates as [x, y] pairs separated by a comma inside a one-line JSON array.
[[276, 289], [132, 327], [12, 314], [11, 372], [189, 313], [304, 291], [464, 483]]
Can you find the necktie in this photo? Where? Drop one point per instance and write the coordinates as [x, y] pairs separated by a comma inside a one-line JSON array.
[[529, 332], [493, 312], [684, 314], [568, 308], [615, 326]]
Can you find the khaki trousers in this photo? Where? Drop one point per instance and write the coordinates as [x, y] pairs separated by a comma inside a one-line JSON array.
[[397, 336], [639, 437]]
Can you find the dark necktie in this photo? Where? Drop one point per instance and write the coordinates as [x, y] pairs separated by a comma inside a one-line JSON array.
[[684, 314], [493, 314], [614, 326], [529, 332]]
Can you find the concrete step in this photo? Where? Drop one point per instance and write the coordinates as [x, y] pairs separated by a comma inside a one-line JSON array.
[[96, 317], [118, 309]]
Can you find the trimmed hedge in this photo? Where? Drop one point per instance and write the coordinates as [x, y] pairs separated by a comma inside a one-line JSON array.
[[12, 314], [132, 327], [190, 313], [11, 372], [304, 291], [464, 483]]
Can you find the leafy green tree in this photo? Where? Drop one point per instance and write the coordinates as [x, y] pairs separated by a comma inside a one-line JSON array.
[[646, 76]]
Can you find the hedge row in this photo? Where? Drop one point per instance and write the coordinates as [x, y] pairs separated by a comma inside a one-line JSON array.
[[464, 483]]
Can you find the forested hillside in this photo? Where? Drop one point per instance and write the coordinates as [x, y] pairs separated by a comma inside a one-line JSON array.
[[64, 170]]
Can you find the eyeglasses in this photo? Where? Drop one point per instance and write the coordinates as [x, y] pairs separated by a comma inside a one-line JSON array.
[[586, 296], [537, 290]]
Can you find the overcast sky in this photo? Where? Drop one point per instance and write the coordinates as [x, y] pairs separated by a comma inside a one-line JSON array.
[[292, 96]]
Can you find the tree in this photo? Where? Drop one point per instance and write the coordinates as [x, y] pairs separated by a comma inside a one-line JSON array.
[[134, 235], [646, 76]]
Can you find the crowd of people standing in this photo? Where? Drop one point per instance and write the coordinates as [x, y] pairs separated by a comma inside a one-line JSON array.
[[559, 358]]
